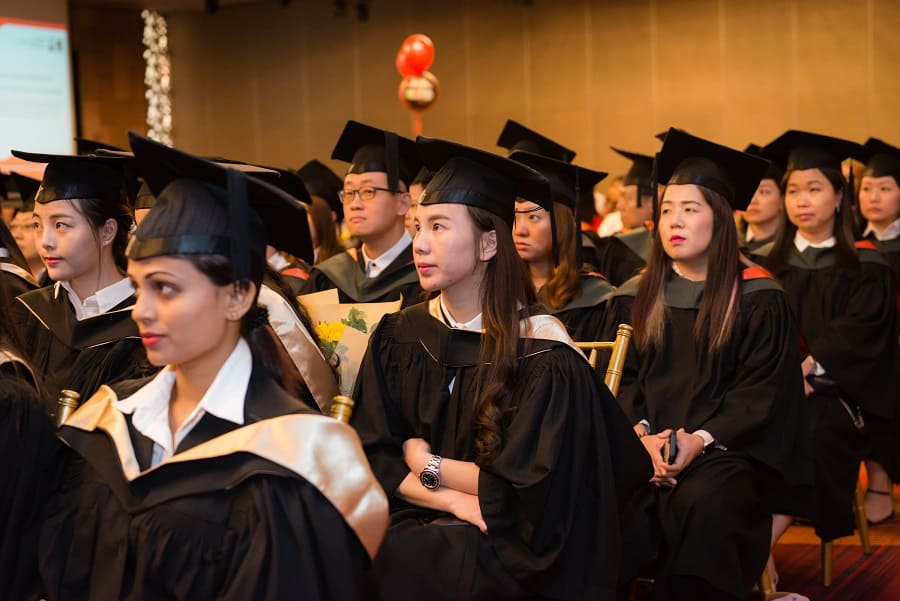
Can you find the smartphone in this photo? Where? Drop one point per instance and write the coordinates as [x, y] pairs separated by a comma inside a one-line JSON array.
[[670, 449]]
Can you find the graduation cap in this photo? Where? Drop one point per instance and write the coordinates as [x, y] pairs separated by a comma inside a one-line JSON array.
[[423, 177], [286, 181], [208, 208], [85, 146], [566, 180], [661, 136], [79, 176], [799, 150], [325, 183], [27, 188], [144, 199], [775, 171], [640, 173], [687, 159], [517, 137], [369, 149], [466, 175], [881, 159]]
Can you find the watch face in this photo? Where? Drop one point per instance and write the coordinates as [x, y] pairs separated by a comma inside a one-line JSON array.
[[429, 479]]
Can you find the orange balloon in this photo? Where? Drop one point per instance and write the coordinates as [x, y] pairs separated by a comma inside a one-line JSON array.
[[419, 52]]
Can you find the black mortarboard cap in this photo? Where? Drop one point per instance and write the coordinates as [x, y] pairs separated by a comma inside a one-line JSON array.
[[27, 188], [799, 150], [881, 159], [567, 181], [369, 149], [775, 171], [473, 177], [208, 208], [286, 181], [517, 137], [79, 176], [640, 173], [661, 136], [321, 181], [423, 176], [85, 146], [144, 199], [687, 159]]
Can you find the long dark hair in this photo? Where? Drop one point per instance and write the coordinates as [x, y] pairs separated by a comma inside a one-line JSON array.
[[718, 306], [97, 212], [843, 227], [263, 341], [565, 281], [326, 232], [506, 292]]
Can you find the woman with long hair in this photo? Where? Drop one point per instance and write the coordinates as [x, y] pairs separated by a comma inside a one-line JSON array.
[[506, 459], [210, 481], [547, 238], [79, 330], [713, 384]]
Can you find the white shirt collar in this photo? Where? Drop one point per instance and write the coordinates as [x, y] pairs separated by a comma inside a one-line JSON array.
[[224, 399], [374, 267], [474, 325], [802, 243], [892, 231], [278, 262], [749, 237], [100, 302]]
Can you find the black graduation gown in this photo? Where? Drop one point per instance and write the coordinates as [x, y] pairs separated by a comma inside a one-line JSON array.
[[15, 280], [348, 275], [78, 355], [29, 475], [611, 257], [551, 498], [715, 523], [758, 246], [583, 316], [847, 319], [239, 512]]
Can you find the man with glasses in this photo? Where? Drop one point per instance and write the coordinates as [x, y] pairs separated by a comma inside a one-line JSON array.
[[375, 199]]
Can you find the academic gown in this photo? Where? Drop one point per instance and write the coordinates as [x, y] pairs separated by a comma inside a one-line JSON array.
[[348, 275], [613, 258], [553, 496], [283, 507], [848, 321], [29, 475], [715, 523], [15, 280], [78, 355], [583, 315], [758, 246]]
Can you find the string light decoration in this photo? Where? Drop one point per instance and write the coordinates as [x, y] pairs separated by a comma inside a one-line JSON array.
[[157, 77]]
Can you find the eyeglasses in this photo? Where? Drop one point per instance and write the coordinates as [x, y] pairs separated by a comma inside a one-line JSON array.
[[366, 194]]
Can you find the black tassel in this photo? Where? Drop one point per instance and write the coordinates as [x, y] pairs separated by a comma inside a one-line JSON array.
[[392, 158], [237, 218]]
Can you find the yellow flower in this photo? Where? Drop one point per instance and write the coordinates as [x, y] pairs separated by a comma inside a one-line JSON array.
[[330, 331]]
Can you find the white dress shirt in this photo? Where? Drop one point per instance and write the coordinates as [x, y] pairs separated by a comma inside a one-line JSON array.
[[100, 302], [892, 231], [802, 243], [374, 267], [224, 399]]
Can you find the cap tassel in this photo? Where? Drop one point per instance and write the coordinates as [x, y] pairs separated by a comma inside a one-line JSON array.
[[392, 155], [238, 209]]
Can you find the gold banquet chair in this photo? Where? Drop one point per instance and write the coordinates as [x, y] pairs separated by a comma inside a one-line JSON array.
[[619, 348]]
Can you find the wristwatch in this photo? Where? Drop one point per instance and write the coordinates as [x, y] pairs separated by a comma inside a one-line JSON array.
[[431, 475]]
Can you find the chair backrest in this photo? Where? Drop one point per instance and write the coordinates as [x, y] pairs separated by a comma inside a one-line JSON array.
[[619, 348]]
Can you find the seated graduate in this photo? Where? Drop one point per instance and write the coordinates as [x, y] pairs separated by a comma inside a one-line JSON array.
[[621, 256], [209, 481], [375, 198], [15, 274], [22, 228], [79, 330], [547, 238], [879, 203], [763, 217], [715, 362], [506, 459], [841, 295], [321, 181]]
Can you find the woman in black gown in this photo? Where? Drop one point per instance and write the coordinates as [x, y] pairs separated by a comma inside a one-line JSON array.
[[507, 462], [841, 295], [547, 238], [716, 368], [209, 481]]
